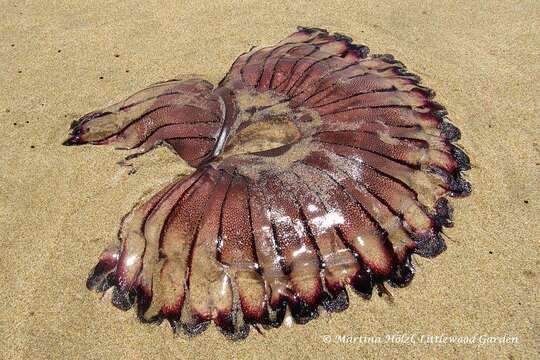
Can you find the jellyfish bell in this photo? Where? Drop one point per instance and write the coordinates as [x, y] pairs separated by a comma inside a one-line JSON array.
[[319, 168]]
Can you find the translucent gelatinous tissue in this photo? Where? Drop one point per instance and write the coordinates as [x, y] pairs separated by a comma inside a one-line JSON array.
[[318, 167]]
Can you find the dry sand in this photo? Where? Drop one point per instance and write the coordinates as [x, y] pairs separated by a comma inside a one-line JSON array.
[[61, 206]]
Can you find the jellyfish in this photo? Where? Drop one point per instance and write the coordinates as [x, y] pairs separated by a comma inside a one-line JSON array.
[[318, 168]]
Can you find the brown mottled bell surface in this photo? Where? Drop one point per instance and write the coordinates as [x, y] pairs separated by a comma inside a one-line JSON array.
[[318, 167]]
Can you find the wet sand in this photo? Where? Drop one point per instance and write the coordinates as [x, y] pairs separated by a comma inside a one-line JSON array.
[[61, 205]]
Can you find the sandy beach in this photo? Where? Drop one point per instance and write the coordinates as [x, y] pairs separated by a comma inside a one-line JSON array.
[[62, 205]]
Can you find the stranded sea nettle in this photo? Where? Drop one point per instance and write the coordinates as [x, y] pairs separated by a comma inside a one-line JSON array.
[[318, 167]]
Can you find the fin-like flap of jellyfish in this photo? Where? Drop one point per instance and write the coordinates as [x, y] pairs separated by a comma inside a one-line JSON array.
[[319, 168]]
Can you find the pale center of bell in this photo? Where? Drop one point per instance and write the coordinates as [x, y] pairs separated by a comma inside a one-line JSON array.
[[272, 132]]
